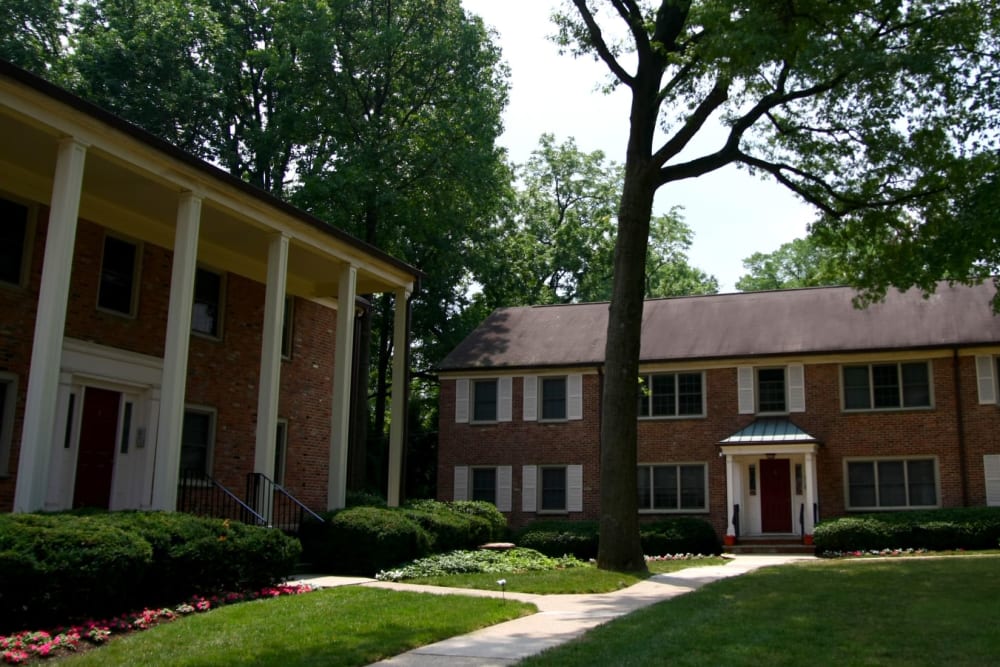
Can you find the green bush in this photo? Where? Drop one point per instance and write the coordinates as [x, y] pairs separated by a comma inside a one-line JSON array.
[[58, 567], [465, 562], [679, 535], [363, 540], [61, 567], [488, 512], [968, 528], [364, 499], [448, 527], [560, 537]]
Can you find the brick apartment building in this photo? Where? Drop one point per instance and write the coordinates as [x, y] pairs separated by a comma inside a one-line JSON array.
[[759, 412], [157, 314]]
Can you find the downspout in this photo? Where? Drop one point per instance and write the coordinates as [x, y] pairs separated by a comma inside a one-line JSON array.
[[960, 419]]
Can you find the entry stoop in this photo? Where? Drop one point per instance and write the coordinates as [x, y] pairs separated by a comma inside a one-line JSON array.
[[770, 545]]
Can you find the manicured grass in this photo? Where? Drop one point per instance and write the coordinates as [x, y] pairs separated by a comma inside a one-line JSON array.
[[351, 625], [586, 579], [906, 611]]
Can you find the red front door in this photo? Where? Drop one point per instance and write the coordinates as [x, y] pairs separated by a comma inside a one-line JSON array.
[[96, 460], [775, 496]]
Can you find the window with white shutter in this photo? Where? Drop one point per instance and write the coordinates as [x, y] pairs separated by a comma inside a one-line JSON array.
[[529, 488], [986, 379], [529, 410], [461, 482], [505, 399], [991, 466], [744, 382], [796, 388], [462, 400], [574, 488], [574, 396], [504, 486]]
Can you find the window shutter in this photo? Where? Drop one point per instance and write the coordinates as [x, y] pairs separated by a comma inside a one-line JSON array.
[[744, 387], [985, 378], [462, 401], [530, 408], [574, 396], [529, 492], [504, 488], [991, 465], [574, 488], [504, 399], [796, 388], [461, 482]]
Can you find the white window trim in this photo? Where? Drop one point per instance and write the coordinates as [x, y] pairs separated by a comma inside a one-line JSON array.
[[29, 244], [532, 397], [465, 400], [463, 484], [462, 391], [701, 415], [871, 387], [136, 275], [223, 290], [700, 510], [991, 473], [746, 389], [890, 508], [214, 426], [531, 489], [9, 412]]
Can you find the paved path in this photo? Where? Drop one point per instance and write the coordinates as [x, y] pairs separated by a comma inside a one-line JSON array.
[[560, 618]]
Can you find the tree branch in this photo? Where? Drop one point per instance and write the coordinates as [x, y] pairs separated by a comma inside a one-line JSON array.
[[718, 95], [597, 41]]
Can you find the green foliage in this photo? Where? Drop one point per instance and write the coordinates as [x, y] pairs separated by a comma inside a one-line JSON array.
[[489, 561], [679, 535], [943, 529], [58, 567], [556, 538], [799, 263], [364, 499], [486, 511], [363, 540]]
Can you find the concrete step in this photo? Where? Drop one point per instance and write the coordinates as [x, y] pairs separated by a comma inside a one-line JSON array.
[[770, 545]]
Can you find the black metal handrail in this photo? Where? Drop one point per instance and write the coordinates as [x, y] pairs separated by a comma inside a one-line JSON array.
[[736, 520], [203, 495], [815, 514], [802, 520], [273, 501]]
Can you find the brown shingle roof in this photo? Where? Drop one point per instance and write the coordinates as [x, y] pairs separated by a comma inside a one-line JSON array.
[[788, 322]]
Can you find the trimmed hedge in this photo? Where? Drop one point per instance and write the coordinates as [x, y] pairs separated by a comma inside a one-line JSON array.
[[676, 535], [365, 540], [55, 568], [968, 528], [680, 535], [554, 537]]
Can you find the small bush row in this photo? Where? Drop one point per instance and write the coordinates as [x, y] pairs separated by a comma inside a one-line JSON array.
[[968, 528], [56, 568], [676, 535], [365, 540], [468, 562]]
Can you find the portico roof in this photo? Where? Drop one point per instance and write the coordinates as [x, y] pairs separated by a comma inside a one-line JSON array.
[[769, 430]]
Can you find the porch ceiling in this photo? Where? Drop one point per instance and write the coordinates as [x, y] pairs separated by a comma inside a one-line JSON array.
[[132, 182]]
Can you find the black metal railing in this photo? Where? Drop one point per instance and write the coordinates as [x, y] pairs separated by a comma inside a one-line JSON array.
[[736, 520], [815, 514], [279, 507], [200, 494], [802, 520]]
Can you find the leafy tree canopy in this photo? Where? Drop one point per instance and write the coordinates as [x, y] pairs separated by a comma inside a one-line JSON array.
[[882, 114], [798, 263]]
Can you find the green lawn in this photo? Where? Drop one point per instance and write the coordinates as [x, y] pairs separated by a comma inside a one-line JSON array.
[[570, 580], [351, 625], [905, 611]]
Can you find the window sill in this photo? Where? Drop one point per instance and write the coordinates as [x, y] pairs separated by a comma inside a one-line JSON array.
[[894, 508], [701, 510], [868, 411], [664, 418]]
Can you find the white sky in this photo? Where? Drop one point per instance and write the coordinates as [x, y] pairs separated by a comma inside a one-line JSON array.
[[732, 214]]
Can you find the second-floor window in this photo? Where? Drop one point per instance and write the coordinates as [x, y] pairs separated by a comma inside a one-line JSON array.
[[119, 265], [886, 386], [553, 398], [484, 400], [206, 315], [13, 242], [670, 395], [771, 390]]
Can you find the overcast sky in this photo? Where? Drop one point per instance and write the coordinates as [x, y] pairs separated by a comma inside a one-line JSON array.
[[732, 214]]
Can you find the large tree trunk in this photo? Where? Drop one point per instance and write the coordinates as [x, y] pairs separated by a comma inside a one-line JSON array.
[[620, 548]]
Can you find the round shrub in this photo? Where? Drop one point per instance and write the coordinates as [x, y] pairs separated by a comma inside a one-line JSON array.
[[488, 512], [363, 540], [559, 538], [680, 535], [55, 568]]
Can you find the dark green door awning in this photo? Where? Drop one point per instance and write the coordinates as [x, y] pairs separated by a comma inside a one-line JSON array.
[[769, 430]]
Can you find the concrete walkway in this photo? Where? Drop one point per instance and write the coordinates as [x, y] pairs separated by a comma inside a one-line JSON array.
[[560, 618]]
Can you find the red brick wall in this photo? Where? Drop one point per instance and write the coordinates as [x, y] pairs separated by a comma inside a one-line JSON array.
[[901, 433], [222, 374]]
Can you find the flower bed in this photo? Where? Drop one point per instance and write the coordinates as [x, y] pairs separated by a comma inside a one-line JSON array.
[[28, 646]]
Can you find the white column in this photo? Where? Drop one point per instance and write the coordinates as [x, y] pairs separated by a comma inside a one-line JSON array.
[[730, 494], [50, 322], [270, 355], [397, 427], [175, 354], [340, 418], [811, 496]]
